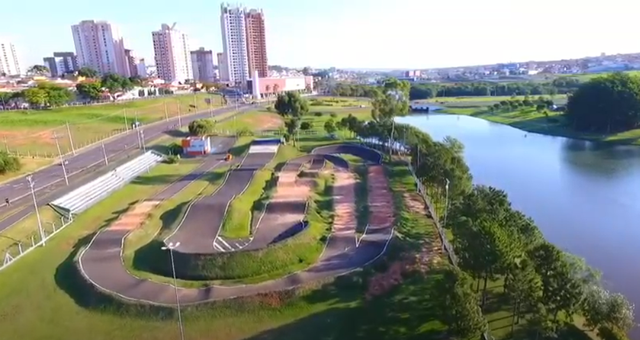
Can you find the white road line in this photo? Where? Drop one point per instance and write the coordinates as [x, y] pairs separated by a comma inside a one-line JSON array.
[[217, 247], [224, 243]]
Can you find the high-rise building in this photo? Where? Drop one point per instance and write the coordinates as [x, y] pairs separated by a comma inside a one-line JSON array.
[[256, 43], [234, 43], [171, 50], [9, 64], [136, 65], [100, 46], [61, 63], [223, 71], [202, 65]]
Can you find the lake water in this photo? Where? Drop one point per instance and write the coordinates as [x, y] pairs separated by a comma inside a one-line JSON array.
[[584, 197]]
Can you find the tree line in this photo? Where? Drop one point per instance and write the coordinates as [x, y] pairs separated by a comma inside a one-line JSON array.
[[545, 286], [428, 91]]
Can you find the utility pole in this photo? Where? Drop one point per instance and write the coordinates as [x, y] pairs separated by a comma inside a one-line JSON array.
[[166, 114], [35, 206], [73, 149], [179, 117], [126, 124], [104, 152], [144, 146], [64, 168], [6, 145], [170, 247]]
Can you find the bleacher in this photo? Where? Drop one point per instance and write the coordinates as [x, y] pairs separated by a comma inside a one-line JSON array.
[[91, 193]]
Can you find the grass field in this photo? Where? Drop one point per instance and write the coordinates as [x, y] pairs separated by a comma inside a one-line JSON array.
[[32, 133], [43, 297], [29, 165]]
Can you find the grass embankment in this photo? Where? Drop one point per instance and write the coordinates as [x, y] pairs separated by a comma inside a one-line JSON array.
[[32, 132], [527, 119], [362, 199], [46, 290]]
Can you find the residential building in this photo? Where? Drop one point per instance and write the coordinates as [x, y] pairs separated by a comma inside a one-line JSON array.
[[202, 65], [100, 46], [61, 63], [223, 71], [9, 64], [234, 43], [171, 50], [141, 68], [256, 43]]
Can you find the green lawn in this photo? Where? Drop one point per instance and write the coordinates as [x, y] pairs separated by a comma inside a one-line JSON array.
[[32, 132], [45, 289]]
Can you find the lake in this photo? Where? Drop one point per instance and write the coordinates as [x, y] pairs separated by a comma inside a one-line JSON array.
[[585, 197]]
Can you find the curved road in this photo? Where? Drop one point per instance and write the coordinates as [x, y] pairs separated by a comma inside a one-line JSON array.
[[51, 178], [101, 263]]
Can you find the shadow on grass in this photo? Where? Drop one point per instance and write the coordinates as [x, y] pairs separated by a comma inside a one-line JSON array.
[[176, 133]]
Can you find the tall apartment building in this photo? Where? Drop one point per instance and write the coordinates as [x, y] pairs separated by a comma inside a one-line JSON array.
[[100, 46], [234, 43], [9, 64], [61, 63], [171, 50], [202, 65], [256, 43], [223, 71]]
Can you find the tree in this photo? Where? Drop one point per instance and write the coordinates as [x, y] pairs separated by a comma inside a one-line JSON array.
[[87, 72], [391, 101], [330, 126], [268, 89], [306, 71], [276, 88], [115, 83], [56, 95], [460, 312], [8, 163], [606, 104], [524, 289], [36, 96], [201, 127], [291, 104], [91, 90], [306, 126], [39, 70]]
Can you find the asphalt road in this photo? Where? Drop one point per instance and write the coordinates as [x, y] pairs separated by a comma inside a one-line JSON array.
[[88, 158], [201, 225], [100, 263]]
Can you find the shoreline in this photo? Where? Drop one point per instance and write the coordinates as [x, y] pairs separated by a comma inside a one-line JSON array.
[[550, 131]]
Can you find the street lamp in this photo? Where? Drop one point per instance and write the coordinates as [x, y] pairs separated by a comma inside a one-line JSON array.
[[170, 247], [35, 206], [446, 200]]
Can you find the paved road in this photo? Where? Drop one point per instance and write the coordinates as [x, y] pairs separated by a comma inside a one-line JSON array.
[[202, 223], [50, 182], [101, 263], [52, 176]]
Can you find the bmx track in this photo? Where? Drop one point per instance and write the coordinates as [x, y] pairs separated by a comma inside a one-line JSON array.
[[198, 233]]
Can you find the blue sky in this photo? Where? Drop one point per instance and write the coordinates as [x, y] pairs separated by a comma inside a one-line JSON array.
[[354, 33]]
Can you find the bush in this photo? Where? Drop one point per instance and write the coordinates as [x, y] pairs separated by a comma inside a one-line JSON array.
[[606, 333], [333, 115], [317, 114], [172, 159], [245, 132], [306, 126], [269, 108], [9, 163], [201, 127], [175, 149]]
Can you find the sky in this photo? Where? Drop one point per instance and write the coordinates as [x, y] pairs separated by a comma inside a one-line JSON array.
[[391, 34]]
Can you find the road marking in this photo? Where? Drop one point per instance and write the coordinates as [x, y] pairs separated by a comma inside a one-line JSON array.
[[217, 247], [224, 243]]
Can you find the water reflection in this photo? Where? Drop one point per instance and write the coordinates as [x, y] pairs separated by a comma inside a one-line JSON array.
[[601, 158]]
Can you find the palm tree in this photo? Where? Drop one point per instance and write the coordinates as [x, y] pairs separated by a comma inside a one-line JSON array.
[[268, 90], [276, 88]]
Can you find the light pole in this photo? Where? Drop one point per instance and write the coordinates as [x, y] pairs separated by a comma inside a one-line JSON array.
[[446, 200], [144, 146], [64, 168], [170, 247], [35, 206], [104, 153]]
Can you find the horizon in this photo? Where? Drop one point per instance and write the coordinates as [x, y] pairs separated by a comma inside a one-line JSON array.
[[357, 35]]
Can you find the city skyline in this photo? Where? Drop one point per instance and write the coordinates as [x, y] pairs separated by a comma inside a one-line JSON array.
[[358, 36]]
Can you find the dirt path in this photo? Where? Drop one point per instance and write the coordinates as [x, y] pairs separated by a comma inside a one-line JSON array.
[[135, 217], [344, 203]]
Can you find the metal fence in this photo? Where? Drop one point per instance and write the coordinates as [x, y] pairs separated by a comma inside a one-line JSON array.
[[22, 247]]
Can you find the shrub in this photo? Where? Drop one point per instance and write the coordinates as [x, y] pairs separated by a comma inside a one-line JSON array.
[[175, 149], [306, 126], [201, 127], [172, 159], [333, 115], [245, 132], [8, 163], [317, 114]]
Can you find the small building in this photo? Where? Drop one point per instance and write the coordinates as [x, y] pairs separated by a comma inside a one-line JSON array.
[[196, 146]]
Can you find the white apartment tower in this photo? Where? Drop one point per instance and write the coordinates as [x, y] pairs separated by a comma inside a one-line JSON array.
[[234, 43], [173, 58], [9, 64], [100, 46]]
